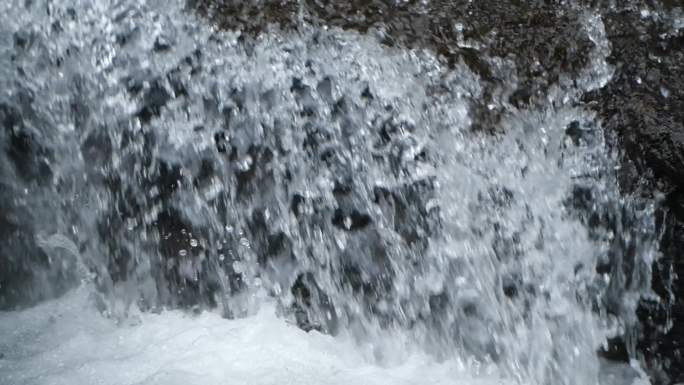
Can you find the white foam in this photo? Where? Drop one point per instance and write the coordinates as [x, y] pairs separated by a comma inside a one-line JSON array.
[[67, 341]]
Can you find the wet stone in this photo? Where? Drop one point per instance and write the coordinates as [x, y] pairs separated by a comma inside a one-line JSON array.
[[649, 127], [541, 40], [154, 99]]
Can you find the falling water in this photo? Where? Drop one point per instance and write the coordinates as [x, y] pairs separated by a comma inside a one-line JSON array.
[[317, 175]]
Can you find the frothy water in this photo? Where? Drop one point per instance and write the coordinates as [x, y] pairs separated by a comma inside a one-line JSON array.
[[69, 343], [318, 175]]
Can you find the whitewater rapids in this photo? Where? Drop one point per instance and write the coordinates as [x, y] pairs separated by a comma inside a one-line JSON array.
[[68, 342]]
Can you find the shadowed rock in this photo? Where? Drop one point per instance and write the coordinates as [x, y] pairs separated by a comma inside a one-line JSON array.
[[643, 106]]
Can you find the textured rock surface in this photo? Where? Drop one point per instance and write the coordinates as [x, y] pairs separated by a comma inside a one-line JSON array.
[[644, 106], [25, 168]]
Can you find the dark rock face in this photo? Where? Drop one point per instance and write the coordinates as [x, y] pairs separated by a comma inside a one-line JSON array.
[[24, 170], [644, 106]]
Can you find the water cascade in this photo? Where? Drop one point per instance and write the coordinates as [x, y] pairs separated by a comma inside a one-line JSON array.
[[174, 178]]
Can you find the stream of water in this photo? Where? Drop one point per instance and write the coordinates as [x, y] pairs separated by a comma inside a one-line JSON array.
[[299, 207]]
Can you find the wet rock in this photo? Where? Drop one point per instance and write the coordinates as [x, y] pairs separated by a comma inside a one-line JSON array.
[[29, 156], [189, 279], [154, 99], [351, 222], [511, 285], [615, 350], [643, 107], [249, 17], [574, 132], [541, 40], [162, 44], [310, 303], [28, 273]]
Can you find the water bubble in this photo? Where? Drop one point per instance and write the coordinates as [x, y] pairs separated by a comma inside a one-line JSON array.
[[238, 267], [664, 91], [183, 252], [341, 242], [193, 242], [246, 163]]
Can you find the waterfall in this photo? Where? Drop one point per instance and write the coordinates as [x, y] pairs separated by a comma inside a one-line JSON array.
[[152, 162]]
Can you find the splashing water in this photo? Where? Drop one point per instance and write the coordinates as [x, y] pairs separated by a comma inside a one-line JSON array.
[[166, 164]]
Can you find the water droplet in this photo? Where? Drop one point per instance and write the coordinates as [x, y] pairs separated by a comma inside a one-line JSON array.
[[193, 242], [341, 242], [664, 91], [183, 252], [245, 164], [244, 242], [229, 229], [221, 257]]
